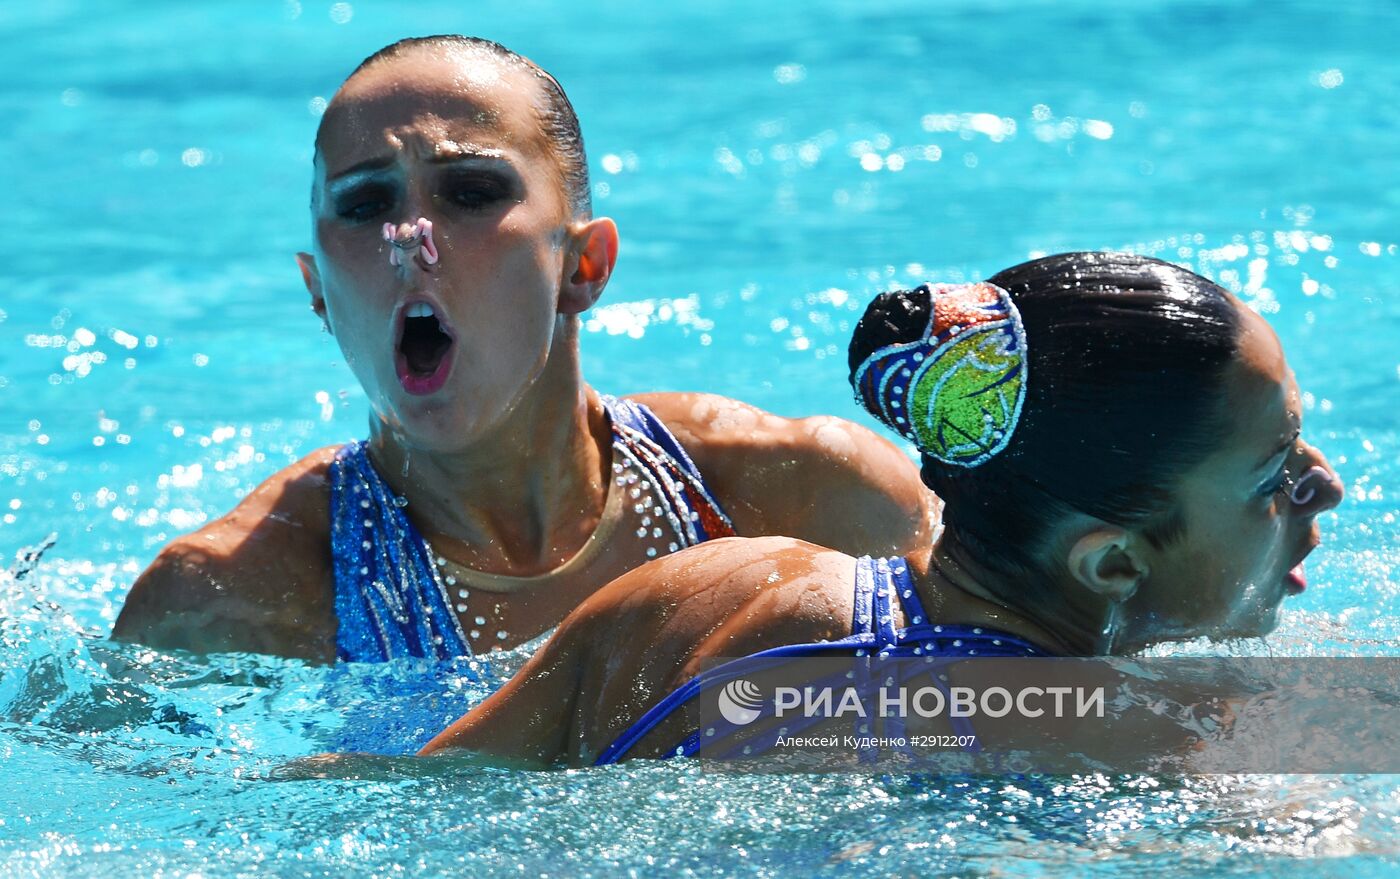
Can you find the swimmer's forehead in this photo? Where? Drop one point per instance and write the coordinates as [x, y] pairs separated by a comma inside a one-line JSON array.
[[1261, 398], [437, 102]]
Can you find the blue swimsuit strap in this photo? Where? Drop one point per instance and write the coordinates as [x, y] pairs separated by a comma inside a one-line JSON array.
[[652, 445], [874, 580], [630, 413]]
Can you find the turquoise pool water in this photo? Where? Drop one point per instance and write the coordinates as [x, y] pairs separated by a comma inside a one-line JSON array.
[[771, 168]]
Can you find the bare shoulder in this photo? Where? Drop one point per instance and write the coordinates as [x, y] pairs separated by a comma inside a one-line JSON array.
[[723, 597], [722, 575], [823, 479], [258, 579], [632, 641]]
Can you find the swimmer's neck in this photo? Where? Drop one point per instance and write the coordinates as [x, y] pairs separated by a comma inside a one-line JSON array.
[[526, 495], [953, 570]]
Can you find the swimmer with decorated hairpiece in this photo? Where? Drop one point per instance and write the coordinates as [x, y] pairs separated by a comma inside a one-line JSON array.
[[1117, 444], [454, 250]]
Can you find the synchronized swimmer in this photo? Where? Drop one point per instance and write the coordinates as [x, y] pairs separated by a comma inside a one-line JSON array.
[[497, 490]]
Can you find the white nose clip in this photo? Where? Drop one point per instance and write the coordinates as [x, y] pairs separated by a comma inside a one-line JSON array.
[[1302, 491], [410, 240]]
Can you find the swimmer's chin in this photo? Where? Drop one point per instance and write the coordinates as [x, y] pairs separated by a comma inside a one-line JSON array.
[[1261, 626]]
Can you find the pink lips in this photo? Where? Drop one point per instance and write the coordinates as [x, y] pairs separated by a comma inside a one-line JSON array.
[[420, 385], [1295, 581], [413, 382]]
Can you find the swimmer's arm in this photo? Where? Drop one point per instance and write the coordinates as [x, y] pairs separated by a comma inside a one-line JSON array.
[[581, 689], [528, 723], [823, 479], [256, 580], [647, 632]]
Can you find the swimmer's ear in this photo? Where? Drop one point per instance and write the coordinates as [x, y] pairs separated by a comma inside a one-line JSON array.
[[1107, 561], [311, 277], [588, 265]]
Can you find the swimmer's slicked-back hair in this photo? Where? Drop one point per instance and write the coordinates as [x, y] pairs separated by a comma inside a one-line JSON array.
[[1126, 359], [558, 120]]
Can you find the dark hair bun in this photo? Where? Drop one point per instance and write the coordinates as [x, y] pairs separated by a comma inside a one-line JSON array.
[[891, 319]]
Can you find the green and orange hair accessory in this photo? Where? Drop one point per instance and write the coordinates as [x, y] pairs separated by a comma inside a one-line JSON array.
[[957, 391]]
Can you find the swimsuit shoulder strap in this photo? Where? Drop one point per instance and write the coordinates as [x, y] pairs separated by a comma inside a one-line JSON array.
[[873, 619], [635, 416], [642, 437], [903, 583], [948, 640]]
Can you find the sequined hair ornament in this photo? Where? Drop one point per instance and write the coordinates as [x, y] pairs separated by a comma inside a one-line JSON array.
[[956, 392]]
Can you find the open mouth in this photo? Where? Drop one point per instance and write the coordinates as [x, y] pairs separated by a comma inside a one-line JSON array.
[[423, 358], [1295, 581]]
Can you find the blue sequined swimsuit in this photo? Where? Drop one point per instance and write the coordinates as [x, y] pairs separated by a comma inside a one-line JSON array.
[[878, 583], [391, 600]]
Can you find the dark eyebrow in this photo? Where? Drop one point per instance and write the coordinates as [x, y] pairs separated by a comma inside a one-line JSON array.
[[461, 154], [1280, 449], [376, 164]]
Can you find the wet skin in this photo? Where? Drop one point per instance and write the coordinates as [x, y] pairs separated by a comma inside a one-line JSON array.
[[500, 447], [1225, 577]]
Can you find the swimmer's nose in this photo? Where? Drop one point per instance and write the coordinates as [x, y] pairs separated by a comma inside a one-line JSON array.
[[411, 243], [1319, 489]]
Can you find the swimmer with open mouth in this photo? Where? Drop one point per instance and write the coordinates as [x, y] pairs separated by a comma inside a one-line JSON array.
[[455, 249]]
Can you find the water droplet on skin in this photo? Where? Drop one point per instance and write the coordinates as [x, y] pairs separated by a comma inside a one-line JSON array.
[[481, 621], [501, 635]]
